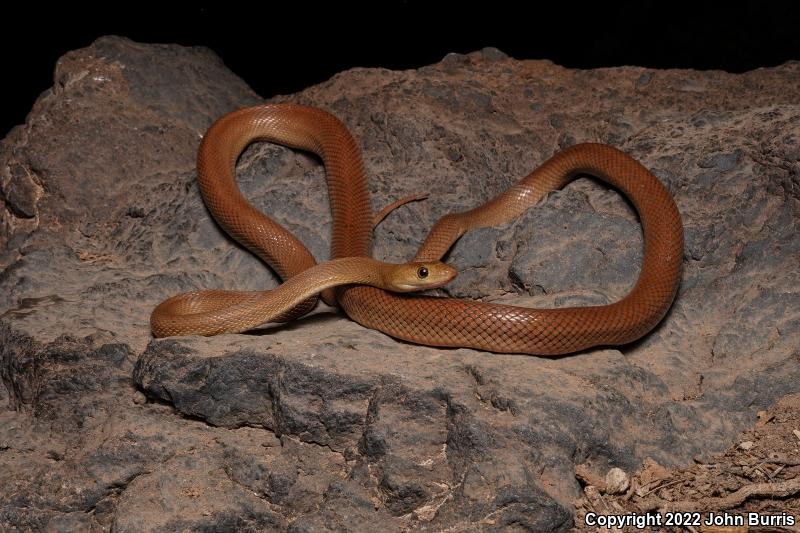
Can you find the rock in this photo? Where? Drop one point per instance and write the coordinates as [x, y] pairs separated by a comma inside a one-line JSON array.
[[764, 418], [616, 481], [322, 424]]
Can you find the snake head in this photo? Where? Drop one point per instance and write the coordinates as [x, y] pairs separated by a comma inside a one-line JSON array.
[[419, 276]]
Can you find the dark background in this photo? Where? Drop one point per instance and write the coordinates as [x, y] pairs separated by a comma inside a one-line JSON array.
[[279, 49]]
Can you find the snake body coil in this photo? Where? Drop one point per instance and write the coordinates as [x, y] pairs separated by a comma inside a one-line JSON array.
[[444, 321]]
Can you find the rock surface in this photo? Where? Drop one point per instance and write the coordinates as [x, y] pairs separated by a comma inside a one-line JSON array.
[[324, 425]]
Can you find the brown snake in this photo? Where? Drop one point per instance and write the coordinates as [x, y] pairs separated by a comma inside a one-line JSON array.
[[429, 320]]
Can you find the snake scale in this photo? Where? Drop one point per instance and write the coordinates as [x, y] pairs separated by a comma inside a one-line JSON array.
[[429, 320]]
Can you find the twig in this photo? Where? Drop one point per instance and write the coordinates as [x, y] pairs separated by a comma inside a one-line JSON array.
[[665, 485], [782, 461], [777, 471], [781, 489]]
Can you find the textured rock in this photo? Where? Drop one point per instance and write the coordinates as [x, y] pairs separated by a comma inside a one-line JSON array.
[[324, 425]]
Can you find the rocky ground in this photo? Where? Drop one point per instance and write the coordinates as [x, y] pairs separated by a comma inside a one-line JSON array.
[[752, 486], [324, 425]]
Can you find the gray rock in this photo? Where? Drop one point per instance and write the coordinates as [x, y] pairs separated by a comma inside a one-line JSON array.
[[324, 425]]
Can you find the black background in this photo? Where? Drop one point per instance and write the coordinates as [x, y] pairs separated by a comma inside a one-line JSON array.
[[279, 49]]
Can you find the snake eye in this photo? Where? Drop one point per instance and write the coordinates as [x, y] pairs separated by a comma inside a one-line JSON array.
[[422, 272]]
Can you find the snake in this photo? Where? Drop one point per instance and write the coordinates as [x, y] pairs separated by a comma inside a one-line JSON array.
[[427, 320], [212, 312]]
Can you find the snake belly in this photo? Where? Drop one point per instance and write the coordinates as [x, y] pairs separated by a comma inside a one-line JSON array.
[[434, 321]]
